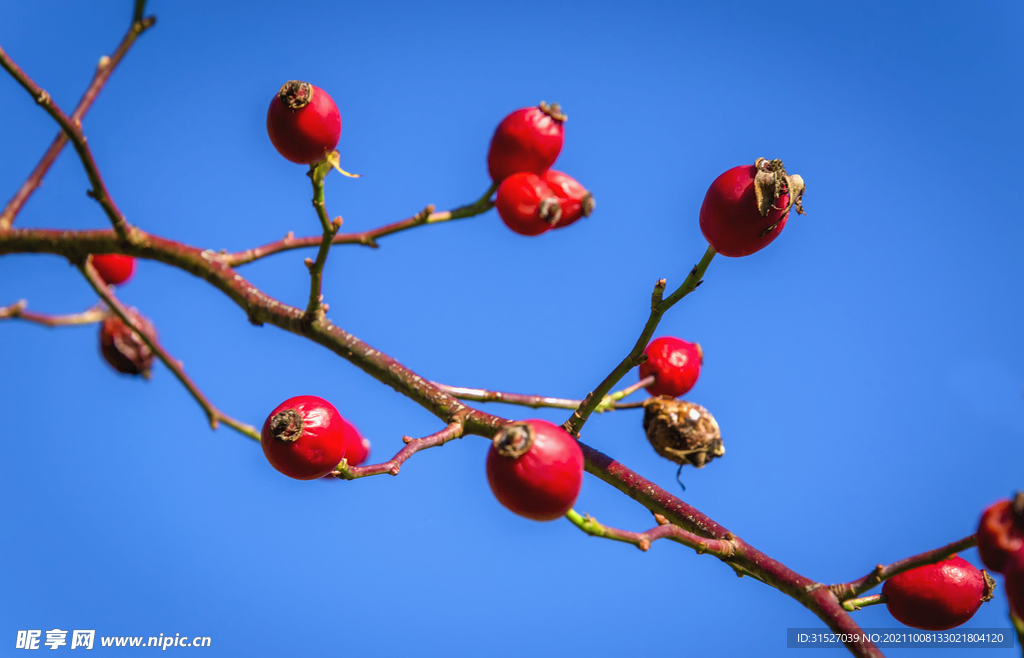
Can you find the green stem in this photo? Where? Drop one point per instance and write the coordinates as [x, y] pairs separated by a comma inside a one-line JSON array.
[[856, 604]]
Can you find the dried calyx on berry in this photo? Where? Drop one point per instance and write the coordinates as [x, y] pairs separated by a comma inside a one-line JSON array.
[[771, 183], [682, 432], [514, 440], [296, 94], [123, 348]]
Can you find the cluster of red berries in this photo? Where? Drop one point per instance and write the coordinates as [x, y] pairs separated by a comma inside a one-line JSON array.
[[306, 438], [533, 197], [1000, 539]]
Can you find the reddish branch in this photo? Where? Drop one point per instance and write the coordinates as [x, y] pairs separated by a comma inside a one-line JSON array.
[[412, 446], [722, 548], [18, 311], [103, 71], [538, 401]]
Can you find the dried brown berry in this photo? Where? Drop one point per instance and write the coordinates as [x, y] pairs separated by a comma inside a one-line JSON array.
[[682, 432], [123, 348]]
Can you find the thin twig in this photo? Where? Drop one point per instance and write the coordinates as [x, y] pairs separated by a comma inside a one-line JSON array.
[[214, 415], [365, 238], [851, 605], [393, 465], [316, 308], [845, 591], [532, 401], [17, 311], [636, 356], [105, 67], [721, 548], [73, 130]]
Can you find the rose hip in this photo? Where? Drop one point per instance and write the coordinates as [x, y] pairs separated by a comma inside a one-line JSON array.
[[306, 438], [573, 198], [303, 122], [748, 206], [529, 139], [123, 348], [535, 469], [675, 364], [527, 205], [937, 597], [114, 269], [1001, 532]]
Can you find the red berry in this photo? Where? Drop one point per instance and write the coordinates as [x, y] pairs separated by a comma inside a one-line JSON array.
[[675, 364], [535, 469], [357, 448], [574, 199], [1001, 532], [747, 207], [1014, 572], [306, 438], [527, 205], [937, 597], [123, 348], [303, 122], [114, 268], [529, 139]]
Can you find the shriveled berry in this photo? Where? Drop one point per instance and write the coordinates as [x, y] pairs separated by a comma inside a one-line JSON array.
[[529, 139], [114, 268], [574, 199], [535, 469], [123, 348], [306, 438], [937, 597], [1001, 532], [527, 205], [675, 364], [303, 122], [683, 432], [1013, 569], [748, 206]]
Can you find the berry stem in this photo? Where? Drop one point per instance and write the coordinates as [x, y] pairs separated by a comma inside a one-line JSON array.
[[850, 605], [532, 401], [103, 70], [722, 548], [365, 238], [393, 465], [214, 415], [636, 356], [853, 589], [317, 173], [17, 311]]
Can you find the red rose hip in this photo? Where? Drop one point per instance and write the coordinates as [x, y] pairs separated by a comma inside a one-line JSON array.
[[114, 269], [748, 206], [937, 597], [123, 348], [1001, 532], [303, 122], [527, 205], [306, 438], [535, 469], [675, 364], [573, 198], [529, 139]]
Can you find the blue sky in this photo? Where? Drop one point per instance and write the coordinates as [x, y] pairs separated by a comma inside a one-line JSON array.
[[866, 368]]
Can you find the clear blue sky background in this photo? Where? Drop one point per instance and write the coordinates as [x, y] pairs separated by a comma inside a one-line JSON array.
[[866, 369]]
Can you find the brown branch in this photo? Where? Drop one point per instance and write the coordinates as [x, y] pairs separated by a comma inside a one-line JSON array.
[[533, 401], [365, 238], [721, 548], [103, 70], [73, 130], [412, 446], [17, 311], [636, 355], [882, 573], [214, 415]]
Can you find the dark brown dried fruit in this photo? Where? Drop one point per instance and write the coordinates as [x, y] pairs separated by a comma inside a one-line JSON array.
[[123, 348], [682, 432]]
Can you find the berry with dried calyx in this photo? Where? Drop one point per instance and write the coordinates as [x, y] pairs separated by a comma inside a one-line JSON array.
[[1001, 532], [748, 206], [937, 597], [675, 365], [123, 348], [303, 122], [574, 199], [114, 269], [527, 205], [535, 469], [306, 438], [529, 139], [682, 432]]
